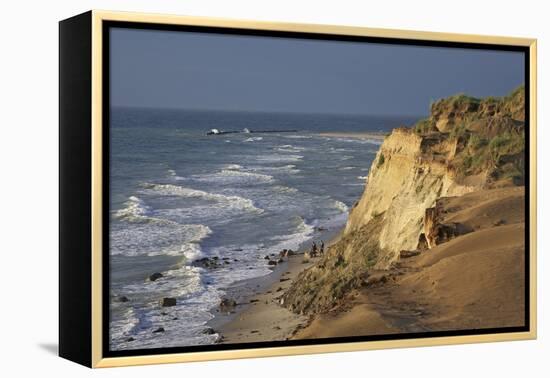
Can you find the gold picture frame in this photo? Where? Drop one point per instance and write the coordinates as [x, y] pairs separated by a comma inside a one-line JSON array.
[[93, 355]]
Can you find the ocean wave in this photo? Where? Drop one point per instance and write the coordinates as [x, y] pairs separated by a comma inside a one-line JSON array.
[[194, 300], [135, 211], [169, 239], [253, 139], [362, 177], [346, 168], [303, 232], [289, 148], [284, 189], [298, 136], [341, 206], [233, 166], [279, 158], [233, 176], [288, 169], [231, 201]]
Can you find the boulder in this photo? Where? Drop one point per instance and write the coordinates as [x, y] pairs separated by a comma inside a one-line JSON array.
[[168, 302], [207, 263], [155, 276], [227, 304], [272, 262], [123, 298], [158, 330], [208, 331]]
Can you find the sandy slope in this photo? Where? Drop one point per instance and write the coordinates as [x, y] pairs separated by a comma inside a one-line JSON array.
[[473, 281]]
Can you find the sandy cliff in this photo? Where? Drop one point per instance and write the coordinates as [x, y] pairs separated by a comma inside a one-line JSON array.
[[466, 145]]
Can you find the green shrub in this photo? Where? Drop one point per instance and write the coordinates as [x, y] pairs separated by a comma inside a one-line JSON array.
[[459, 131], [381, 161], [506, 144], [424, 126]]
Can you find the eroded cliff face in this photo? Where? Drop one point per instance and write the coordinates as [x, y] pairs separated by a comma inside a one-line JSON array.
[[409, 173], [465, 145]]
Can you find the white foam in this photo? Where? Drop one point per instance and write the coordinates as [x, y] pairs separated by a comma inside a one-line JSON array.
[[233, 177], [136, 211], [284, 189], [289, 148], [286, 169], [298, 136], [232, 201], [253, 139], [233, 166], [153, 239], [183, 323], [278, 158], [341, 206]]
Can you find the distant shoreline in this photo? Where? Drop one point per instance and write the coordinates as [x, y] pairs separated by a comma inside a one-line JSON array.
[[356, 135]]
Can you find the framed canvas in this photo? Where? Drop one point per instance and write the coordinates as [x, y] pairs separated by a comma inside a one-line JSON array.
[[235, 189]]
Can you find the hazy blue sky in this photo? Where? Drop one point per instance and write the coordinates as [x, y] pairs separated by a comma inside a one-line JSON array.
[[208, 71]]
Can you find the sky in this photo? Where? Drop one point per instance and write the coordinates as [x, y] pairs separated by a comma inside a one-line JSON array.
[[186, 70]]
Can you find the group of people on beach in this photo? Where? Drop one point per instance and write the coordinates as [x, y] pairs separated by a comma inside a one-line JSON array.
[[317, 251]]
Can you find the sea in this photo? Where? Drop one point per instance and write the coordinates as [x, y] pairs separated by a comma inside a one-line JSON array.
[[178, 195]]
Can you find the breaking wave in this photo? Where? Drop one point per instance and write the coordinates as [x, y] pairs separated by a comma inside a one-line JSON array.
[[232, 201]]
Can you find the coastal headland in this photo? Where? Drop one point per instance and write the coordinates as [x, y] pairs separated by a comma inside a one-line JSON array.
[[436, 242]]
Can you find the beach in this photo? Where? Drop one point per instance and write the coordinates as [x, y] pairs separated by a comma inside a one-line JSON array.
[[262, 317]]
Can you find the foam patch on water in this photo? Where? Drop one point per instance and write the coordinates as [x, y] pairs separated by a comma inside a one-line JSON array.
[[231, 201], [289, 148], [283, 169], [234, 176], [153, 239], [233, 166], [253, 139], [341, 206], [136, 211], [278, 158]]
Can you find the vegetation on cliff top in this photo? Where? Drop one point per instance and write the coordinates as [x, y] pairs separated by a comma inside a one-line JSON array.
[[489, 134]]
